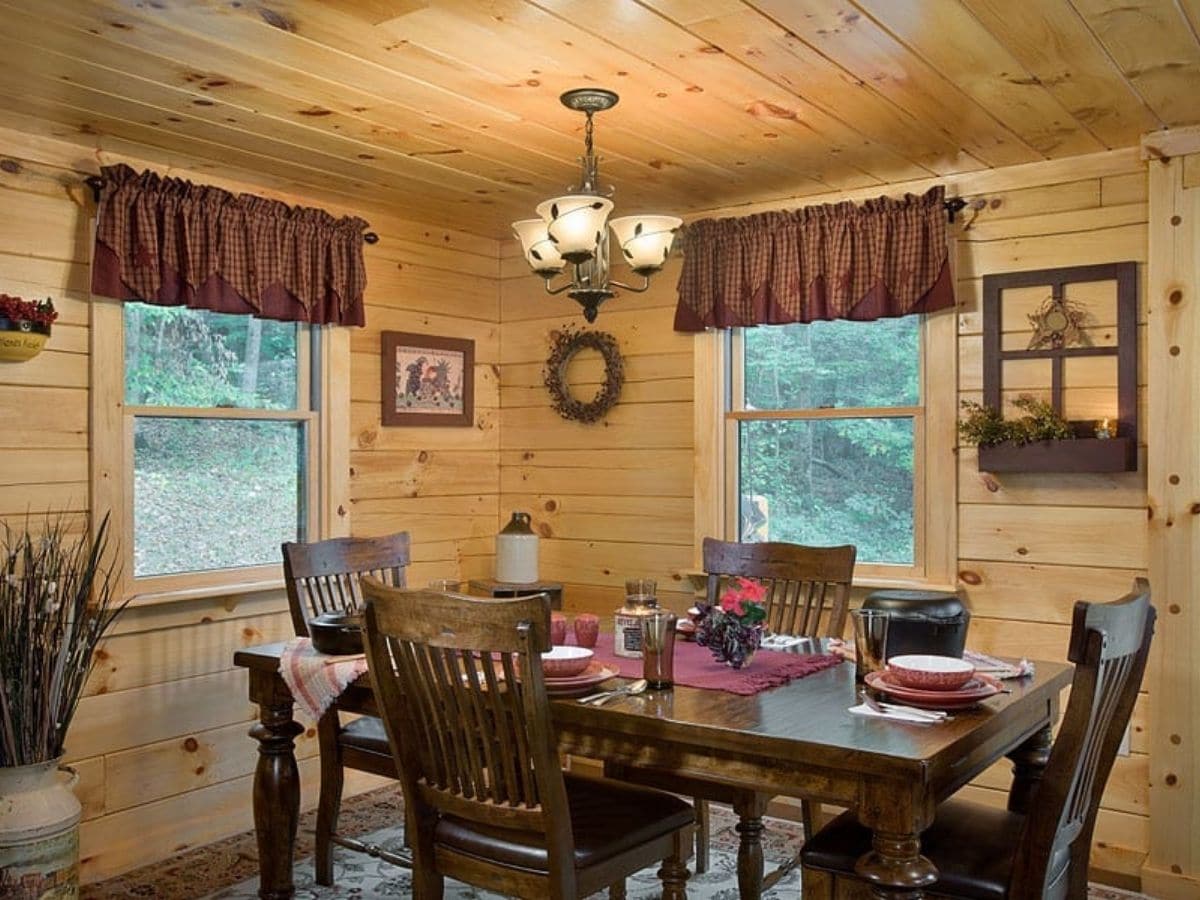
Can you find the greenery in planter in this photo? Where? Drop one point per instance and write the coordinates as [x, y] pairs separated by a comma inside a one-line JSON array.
[[56, 602], [987, 427]]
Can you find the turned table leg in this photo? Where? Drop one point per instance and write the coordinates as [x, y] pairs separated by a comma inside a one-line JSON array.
[[750, 809], [1029, 765], [276, 797], [894, 867]]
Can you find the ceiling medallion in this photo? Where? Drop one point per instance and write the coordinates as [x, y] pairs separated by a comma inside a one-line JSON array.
[[572, 228]]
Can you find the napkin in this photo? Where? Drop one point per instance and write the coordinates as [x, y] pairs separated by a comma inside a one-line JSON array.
[[897, 715], [314, 679], [780, 641], [998, 668]]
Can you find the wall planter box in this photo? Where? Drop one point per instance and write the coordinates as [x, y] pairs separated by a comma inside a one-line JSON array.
[[1117, 454]]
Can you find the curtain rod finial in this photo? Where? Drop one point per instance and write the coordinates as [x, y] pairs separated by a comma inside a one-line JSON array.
[[953, 206], [96, 183]]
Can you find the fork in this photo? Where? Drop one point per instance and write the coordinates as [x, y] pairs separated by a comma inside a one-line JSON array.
[[886, 708]]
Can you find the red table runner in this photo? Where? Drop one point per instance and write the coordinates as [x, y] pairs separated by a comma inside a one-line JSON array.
[[695, 667]]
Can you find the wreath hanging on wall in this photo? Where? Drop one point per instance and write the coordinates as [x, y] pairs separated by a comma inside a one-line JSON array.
[[564, 345]]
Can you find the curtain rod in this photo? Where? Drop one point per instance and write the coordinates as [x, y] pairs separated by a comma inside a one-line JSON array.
[[96, 183]]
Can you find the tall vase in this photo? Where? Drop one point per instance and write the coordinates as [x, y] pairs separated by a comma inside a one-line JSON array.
[[39, 832]]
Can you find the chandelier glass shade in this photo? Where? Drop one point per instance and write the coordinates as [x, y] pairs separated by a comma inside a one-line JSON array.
[[574, 229]]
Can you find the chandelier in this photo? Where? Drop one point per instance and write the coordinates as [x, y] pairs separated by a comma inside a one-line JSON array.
[[572, 229]]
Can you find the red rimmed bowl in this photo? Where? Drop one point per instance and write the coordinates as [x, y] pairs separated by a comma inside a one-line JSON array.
[[930, 673], [565, 661]]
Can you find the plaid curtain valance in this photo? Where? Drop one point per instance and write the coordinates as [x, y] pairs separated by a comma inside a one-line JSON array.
[[173, 243], [883, 258]]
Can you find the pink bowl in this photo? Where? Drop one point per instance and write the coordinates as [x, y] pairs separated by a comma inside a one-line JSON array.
[[563, 662], [930, 673]]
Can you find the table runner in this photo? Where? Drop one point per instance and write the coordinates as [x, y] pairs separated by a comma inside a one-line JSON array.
[[695, 667]]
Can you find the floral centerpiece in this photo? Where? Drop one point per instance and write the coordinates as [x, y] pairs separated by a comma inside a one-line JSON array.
[[733, 628], [24, 326]]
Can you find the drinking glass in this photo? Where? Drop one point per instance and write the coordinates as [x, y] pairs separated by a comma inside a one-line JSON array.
[[870, 640], [587, 629], [658, 648], [646, 588]]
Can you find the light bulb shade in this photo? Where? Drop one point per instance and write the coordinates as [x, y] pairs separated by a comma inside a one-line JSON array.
[[575, 224], [645, 241], [541, 254]]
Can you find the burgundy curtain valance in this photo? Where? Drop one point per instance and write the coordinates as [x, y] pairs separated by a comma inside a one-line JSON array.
[[883, 258], [173, 243]]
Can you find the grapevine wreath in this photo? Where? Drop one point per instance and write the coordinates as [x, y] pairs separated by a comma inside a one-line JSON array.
[[564, 345]]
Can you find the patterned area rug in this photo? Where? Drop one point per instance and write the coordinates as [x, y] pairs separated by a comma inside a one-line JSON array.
[[228, 869]]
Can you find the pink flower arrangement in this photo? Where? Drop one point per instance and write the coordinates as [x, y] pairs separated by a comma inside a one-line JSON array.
[[745, 600], [733, 628], [38, 312]]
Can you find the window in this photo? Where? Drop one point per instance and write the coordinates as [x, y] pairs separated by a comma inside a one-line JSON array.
[[214, 457], [828, 433]]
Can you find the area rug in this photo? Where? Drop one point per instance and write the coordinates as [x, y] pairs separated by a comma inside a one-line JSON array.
[[228, 869]]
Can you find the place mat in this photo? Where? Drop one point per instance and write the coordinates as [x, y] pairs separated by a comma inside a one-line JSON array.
[[315, 679], [695, 667]]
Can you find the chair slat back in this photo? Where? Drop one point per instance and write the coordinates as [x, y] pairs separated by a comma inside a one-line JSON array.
[[1110, 644], [460, 686], [808, 588], [323, 576]]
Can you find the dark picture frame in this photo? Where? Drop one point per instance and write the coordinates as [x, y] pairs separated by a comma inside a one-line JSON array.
[[427, 380]]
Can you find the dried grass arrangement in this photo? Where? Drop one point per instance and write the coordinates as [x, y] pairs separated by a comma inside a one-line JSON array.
[[56, 602]]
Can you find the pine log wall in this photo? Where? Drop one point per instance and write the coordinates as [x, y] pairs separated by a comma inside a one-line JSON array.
[[160, 742], [160, 739], [615, 500]]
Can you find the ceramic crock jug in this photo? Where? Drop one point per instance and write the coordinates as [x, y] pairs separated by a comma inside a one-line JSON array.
[[517, 551]]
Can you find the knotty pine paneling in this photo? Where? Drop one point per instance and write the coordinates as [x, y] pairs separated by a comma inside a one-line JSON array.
[[1030, 545], [611, 500], [160, 739]]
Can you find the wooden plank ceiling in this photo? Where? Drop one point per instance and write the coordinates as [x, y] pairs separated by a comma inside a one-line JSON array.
[[447, 111]]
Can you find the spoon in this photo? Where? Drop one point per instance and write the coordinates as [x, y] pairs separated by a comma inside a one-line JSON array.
[[635, 687]]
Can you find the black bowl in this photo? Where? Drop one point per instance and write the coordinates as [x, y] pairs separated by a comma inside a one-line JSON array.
[[338, 634]]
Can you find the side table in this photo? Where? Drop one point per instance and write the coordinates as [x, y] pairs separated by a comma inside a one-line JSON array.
[[510, 589]]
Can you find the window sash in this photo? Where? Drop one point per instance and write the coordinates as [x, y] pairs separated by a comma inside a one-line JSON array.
[[735, 413], [304, 413]]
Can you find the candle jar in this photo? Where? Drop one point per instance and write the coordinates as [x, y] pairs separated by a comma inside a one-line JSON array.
[[627, 625]]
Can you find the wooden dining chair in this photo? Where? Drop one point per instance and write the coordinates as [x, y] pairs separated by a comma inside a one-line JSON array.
[[1039, 846], [459, 681], [322, 577], [808, 595]]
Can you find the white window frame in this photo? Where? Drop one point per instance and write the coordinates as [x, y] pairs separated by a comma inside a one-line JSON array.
[[324, 414], [935, 459]]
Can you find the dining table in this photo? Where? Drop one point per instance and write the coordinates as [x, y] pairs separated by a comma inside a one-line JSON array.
[[795, 740]]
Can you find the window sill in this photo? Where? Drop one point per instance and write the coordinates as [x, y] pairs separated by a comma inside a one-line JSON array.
[[698, 577], [202, 592]]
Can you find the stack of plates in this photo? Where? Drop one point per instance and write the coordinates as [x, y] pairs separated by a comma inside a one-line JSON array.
[[980, 687], [578, 685]]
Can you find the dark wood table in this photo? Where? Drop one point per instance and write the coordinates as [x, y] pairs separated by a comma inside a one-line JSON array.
[[796, 740]]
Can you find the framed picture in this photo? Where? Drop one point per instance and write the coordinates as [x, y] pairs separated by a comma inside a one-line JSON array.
[[427, 380]]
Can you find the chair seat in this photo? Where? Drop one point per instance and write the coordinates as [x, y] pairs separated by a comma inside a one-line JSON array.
[[365, 733], [972, 845], [607, 817]]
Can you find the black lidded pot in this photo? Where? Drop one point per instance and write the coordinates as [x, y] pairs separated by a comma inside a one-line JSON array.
[[922, 621]]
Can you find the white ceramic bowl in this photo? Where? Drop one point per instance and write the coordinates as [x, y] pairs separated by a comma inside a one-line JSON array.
[[564, 661], [930, 673]]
